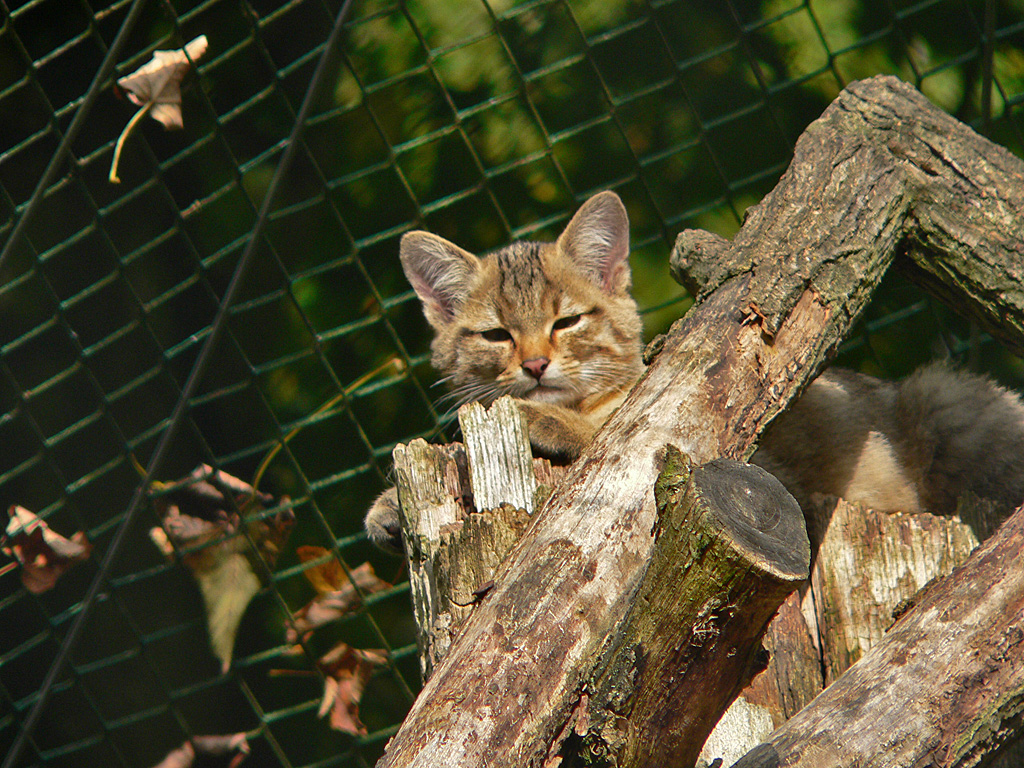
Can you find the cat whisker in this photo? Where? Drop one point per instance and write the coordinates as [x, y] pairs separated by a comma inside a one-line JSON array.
[[475, 391], [607, 371], [463, 393]]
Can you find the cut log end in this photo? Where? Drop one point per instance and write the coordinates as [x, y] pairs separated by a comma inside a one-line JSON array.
[[759, 514], [749, 506], [730, 547]]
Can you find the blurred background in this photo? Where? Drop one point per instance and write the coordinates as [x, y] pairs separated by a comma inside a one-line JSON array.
[[480, 120]]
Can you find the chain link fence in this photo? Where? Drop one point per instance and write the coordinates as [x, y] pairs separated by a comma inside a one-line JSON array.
[[236, 301]]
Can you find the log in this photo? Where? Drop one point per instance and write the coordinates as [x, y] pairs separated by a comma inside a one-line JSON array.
[[944, 688], [867, 566], [960, 201], [790, 682], [433, 484], [462, 508], [892, 160], [792, 282], [868, 563], [731, 545], [793, 677]]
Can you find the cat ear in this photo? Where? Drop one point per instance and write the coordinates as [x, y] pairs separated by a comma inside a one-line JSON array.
[[597, 240], [439, 272]]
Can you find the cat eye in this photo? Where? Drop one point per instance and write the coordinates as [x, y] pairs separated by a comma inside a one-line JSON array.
[[565, 322], [496, 334]]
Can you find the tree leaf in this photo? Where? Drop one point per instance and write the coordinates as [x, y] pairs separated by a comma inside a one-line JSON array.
[[347, 670], [158, 82], [43, 553], [235, 746], [345, 597], [213, 520], [325, 577]]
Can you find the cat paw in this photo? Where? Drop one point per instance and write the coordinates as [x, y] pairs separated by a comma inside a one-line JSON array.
[[552, 434], [382, 522]]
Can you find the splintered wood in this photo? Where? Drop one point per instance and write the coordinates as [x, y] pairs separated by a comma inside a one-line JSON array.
[[463, 508]]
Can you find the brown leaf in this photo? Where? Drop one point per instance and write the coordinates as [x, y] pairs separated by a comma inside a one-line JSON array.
[[344, 599], [201, 514], [43, 553], [159, 82], [234, 745], [182, 757], [325, 577], [348, 670]]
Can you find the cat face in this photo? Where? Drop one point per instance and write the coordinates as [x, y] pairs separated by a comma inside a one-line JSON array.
[[549, 322]]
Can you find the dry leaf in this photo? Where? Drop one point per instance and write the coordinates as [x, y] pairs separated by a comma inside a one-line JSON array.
[[156, 88], [44, 554], [198, 515], [338, 595], [158, 82], [347, 670], [234, 745], [325, 577]]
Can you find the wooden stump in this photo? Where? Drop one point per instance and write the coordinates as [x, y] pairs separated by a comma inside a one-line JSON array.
[[866, 565], [463, 507], [869, 563]]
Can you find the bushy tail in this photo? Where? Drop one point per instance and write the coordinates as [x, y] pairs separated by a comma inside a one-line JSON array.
[[968, 433]]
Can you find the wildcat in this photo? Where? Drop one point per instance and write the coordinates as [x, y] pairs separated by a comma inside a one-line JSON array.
[[554, 326]]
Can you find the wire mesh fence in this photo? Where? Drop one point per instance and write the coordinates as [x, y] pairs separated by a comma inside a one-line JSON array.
[[236, 301]]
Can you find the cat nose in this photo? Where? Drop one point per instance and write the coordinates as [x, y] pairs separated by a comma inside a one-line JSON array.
[[536, 366]]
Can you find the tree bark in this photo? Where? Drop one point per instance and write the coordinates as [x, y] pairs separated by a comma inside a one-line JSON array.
[[731, 545], [463, 507], [784, 293], [505, 691], [790, 682], [433, 484], [944, 688], [961, 206], [882, 157], [868, 566]]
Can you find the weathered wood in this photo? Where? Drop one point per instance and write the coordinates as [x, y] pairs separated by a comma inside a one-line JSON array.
[[961, 207], [793, 677], [791, 681], [885, 161], [796, 276], [433, 483], [500, 461], [510, 682], [944, 687], [731, 545], [867, 564], [463, 507]]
